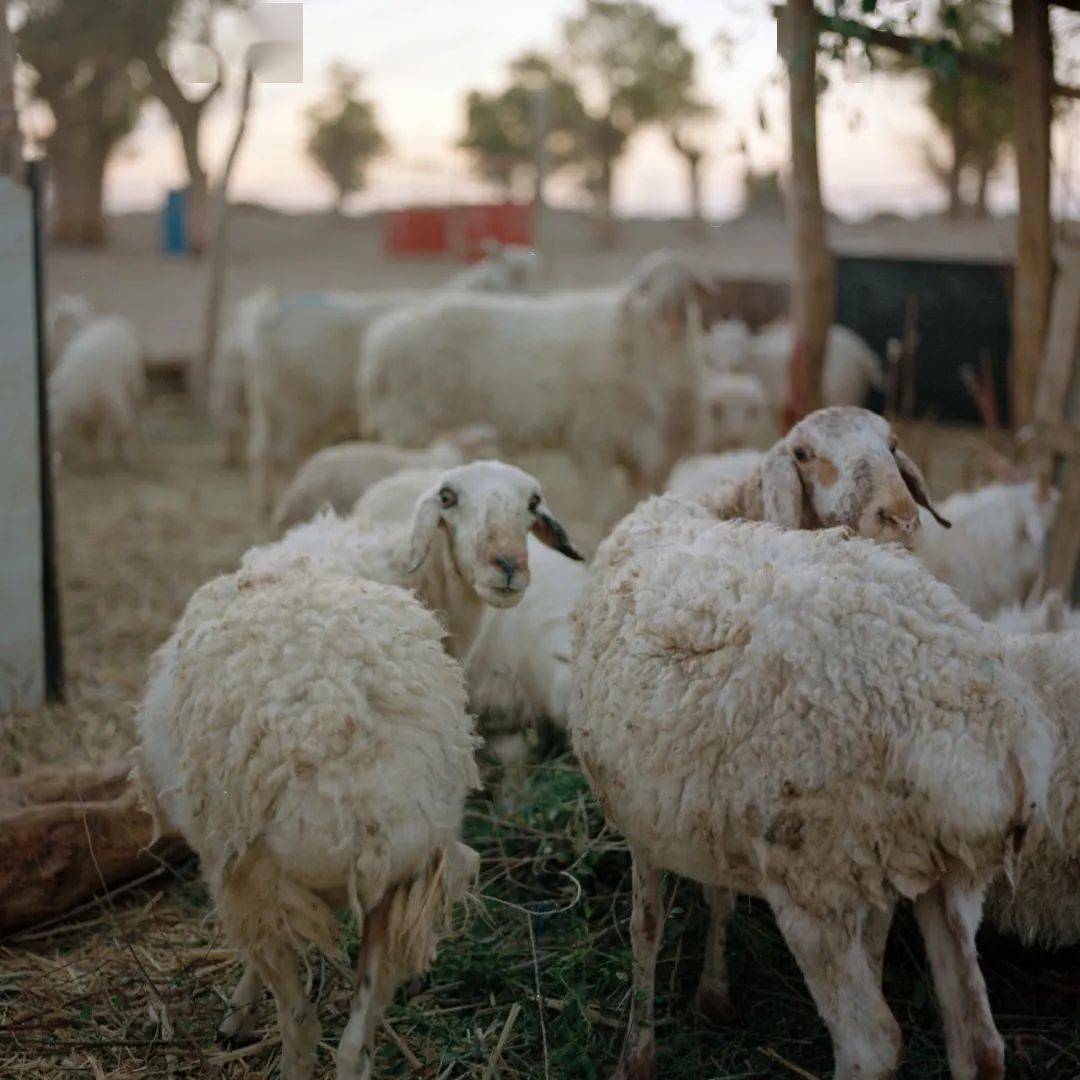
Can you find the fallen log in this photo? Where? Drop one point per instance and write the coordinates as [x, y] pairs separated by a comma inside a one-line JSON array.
[[67, 835]]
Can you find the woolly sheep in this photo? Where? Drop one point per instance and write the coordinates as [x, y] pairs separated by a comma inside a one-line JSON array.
[[392, 498], [65, 317], [701, 474], [307, 734], [339, 475], [735, 413], [239, 342], [726, 346], [851, 366], [300, 381], [754, 710], [1038, 616], [95, 393], [464, 547], [611, 376], [994, 552]]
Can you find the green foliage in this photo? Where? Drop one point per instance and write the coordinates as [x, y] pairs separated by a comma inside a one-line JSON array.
[[344, 136]]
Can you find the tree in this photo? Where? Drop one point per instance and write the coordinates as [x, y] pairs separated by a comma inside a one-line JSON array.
[[344, 136], [81, 52], [501, 129], [644, 73]]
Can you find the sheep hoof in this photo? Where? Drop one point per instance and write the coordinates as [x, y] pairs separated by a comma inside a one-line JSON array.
[[237, 1041], [714, 1006]]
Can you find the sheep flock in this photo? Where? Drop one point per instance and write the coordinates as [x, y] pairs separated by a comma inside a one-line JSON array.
[[789, 672]]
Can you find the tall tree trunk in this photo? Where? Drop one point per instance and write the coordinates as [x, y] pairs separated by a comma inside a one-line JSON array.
[[198, 190], [1033, 64], [606, 229], [10, 139], [78, 180], [955, 180], [693, 158], [812, 299], [981, 206]]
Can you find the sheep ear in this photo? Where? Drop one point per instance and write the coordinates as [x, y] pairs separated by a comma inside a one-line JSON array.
[[425, 523], [781, 488], [916, 484], [548, 531]]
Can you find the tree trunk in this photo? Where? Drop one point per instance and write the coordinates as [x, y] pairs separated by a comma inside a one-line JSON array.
[[78, 179], [606, 229], [10, 140], [812, 296], [1032, 72], [693, 159], [981, 206], [198, 199], [955, 180]]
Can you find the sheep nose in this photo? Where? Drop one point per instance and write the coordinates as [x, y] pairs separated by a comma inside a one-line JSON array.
[[507, 564]]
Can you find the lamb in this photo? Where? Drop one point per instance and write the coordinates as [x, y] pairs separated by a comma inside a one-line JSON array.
[[95, 393], [700, 474], [300, 381], [735, 413], [239, 342], [612, 376], [995, 551], [755, 709], [339, 475], [65, 317], [851, 366], [306, 732], [464, 547]]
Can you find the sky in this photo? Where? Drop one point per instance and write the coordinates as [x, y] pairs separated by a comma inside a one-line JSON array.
[[421, 57]]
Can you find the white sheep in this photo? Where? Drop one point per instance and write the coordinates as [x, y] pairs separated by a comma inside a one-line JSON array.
[[306, 732], [464, 547], [239, 342], [300, 382], [851, 366], [339, 475], [814, 719], [726, 346], [735, 412], [96, 391], [699, 475], [64, 318], [612, 376], [1038, 615], [995, 550], [504, 268]]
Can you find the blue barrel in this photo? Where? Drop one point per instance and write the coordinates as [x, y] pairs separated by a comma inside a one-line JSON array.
[[174, 225]]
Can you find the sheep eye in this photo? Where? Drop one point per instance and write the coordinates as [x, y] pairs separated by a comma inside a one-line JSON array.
[[800, 454], [534, 504], [448, 497]]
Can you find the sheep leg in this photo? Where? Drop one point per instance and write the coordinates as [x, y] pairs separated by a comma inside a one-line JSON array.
[[236, 1026], [876, 936], [638, 1061], [375, 988], [512, 750], [948, 917], [840, 974], [297, 1022], [713, 997]]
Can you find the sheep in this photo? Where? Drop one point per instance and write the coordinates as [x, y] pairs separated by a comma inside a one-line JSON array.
[[851, 366], [239, 341], [735, 413], [339, 475], [464, 547], [1044, 906], [995, 551], [700, 474], [1045, 615], [814, 719], [612, 376], [306, 732], [504, 268], [64, 318], [95, 393], [299, 382], [726, 346], [391, 499]]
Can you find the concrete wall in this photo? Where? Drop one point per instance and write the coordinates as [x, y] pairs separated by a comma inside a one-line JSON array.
[[22, 637]]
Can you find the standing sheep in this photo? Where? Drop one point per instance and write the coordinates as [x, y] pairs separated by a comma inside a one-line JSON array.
[[65, 317], [306, 732], [815, 720], [339, 475], [735, 413], [611, 376], [96, 391]]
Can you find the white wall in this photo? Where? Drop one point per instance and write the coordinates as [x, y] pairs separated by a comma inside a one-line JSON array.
[[22, 639]]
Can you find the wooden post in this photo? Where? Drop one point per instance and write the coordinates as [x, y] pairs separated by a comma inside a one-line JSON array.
[[1032, 78], [813, 296], [11, 162]]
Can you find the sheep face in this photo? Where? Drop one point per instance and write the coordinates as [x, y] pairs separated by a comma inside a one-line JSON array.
[[841, 466], [735, 412], [487, 509]]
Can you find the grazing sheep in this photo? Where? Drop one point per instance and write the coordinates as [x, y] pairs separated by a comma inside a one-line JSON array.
[[994, 552], [814, 719], [239, 342], [300, 382], [1044, 906], [735, 413], [339, 475], [851, 366], [611, 376], [464, 547], [698, 476], [306, 732], [65, 317], [96, 391]]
